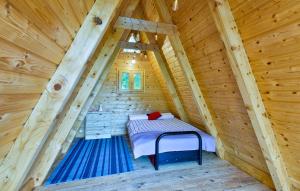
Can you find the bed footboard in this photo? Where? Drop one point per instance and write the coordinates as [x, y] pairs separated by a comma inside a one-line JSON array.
[[199, 154]]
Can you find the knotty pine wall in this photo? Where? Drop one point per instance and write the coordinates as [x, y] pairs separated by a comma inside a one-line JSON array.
[[209, 62], [271, 34], [208, 59], [162, 83], [122, 104], [34, 36]]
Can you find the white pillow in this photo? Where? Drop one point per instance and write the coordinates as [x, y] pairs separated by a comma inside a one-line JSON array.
[[166, 116], [138, 117]]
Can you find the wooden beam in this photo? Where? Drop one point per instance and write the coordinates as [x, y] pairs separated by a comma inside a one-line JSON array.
[[241, 68], [162, 63], [66, 145], [170, 85], [295, 184], [190, 77], [145, 26], [138, 46], [54, 144], [17, 164]]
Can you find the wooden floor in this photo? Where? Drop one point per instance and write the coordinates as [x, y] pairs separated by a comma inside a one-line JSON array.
[[213, 175]]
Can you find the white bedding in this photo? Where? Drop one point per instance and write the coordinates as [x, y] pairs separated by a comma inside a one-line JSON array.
[[143, 134]]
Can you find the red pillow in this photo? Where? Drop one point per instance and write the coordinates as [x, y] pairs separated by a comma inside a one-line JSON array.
[[154, 115]]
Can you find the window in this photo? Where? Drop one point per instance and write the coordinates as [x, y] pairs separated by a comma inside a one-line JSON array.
[[125, 81], [131, 80]]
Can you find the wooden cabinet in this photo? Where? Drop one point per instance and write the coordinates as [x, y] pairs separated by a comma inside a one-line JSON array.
[[98, 125]]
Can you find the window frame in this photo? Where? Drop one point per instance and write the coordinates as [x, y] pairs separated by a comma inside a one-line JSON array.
[[131, 80]]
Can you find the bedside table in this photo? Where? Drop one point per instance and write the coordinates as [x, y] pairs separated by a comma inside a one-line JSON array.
[[98, 125]]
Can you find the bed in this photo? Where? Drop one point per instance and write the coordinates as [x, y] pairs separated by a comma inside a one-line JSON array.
[[169, 133]]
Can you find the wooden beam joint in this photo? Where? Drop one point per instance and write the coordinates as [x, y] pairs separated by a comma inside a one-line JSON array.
[[145, 26], [138, 46]]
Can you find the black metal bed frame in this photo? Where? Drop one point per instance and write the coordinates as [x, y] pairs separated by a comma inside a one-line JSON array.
[[156, 161]]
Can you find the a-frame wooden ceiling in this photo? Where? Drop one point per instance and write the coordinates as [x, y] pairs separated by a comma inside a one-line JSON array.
[[39, 137]]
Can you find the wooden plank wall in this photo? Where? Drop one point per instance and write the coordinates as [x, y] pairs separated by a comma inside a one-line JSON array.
[[271, 34], [162, 83], [123, 104], [207, 56], [34, 36], [182, 86]]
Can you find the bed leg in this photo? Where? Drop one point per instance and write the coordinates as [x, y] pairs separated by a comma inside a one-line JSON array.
[[200, 150], [200, 157], [156, 161]]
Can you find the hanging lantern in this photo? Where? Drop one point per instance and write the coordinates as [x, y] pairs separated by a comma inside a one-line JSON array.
[[175, 5], [137, 37], [132, 35], [156, 37]]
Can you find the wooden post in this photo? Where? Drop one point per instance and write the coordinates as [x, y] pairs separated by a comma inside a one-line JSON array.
[[17, 164], [189, 75], [240, 65], [53, 146]]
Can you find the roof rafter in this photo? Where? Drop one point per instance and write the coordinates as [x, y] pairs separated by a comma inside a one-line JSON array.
[[54, 145], [18, 162], [241, 68], [189, 75], [168, 80], [66, 145]]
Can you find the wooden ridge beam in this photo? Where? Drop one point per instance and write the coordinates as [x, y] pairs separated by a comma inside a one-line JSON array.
[[28, 144], [145, 26], [138, 46], [241, 68], [54, 144], [189, 75]]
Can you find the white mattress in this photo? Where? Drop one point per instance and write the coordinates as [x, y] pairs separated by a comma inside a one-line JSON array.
[[143, 134]]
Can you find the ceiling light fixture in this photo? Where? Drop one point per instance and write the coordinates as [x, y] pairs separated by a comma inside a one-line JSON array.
[[137, 37], [175, 5]]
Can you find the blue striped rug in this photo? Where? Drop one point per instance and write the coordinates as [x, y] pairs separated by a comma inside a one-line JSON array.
[[91, 158]]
